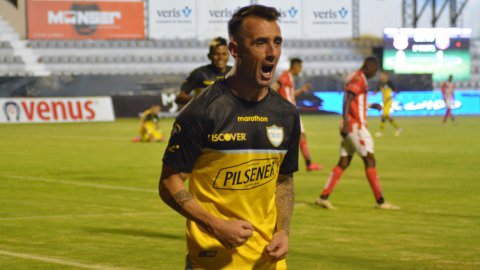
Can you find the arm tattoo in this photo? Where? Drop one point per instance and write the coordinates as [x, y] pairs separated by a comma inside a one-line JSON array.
[[284, 200], [179, 199]]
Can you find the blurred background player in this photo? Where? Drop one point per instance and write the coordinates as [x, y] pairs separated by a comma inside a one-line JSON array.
[[149, 127], [355, 136], [285, 85], [204, 76], [388, 93], [449, 98]]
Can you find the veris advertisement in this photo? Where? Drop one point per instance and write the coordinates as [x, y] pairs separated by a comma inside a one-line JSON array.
[[48, 19]]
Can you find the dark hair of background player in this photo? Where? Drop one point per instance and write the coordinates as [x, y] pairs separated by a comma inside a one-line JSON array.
[[295, 61], [218, 41], [370, 60]]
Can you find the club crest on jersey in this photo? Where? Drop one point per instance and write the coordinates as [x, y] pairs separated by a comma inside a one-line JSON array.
[[275, 135]]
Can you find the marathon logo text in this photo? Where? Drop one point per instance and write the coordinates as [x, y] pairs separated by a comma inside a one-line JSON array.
[[254, 118], [248, 175]]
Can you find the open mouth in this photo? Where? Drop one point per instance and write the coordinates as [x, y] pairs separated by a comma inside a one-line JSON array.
[[267, 70]]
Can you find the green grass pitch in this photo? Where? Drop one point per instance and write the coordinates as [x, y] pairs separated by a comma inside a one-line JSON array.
[[82, 196]]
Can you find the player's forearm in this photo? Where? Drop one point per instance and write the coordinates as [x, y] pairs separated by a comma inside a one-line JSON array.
[[182, 98], [173, 192], [346, 106], [145, 127], [298, 92], [184, 203], [346, 111], [284, 201]]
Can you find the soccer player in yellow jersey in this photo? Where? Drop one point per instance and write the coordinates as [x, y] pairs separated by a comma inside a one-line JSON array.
[[204, 76], [238, 143], [149, 127], [388, 93]]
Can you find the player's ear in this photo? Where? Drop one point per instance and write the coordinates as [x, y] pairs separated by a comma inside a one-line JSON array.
[[209, 55], [233, 48]]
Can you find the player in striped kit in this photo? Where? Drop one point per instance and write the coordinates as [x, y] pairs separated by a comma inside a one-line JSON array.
[[285, 86], [449, 98], [355, 136]]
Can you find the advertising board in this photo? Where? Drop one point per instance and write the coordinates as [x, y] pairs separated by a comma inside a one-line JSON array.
[[47, 19], [51, 110]]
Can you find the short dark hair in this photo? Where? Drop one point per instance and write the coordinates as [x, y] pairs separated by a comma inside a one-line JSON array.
[[218, 41], [267, 13], [371, 60], [295, 61]]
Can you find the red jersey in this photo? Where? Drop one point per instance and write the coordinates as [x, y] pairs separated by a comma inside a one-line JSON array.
[[287, 89], [356, 83], [447, 90]]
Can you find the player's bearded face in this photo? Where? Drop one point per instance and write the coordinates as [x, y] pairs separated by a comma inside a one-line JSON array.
[[259, 50]]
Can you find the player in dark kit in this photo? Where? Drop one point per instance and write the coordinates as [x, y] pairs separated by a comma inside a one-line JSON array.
[[204, 76], [238, 143]]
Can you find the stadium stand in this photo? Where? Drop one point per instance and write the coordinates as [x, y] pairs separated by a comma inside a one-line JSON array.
[[166, 57], [179, 56]]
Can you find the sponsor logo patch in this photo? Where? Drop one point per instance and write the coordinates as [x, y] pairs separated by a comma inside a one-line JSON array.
[[173, 148], [226, 137], [176, 129], [248, 175]]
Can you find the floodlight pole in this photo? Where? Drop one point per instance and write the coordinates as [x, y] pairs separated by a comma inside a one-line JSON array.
[[356, 19], [435, 16], [417, 17], [453, 11], [411, 16]]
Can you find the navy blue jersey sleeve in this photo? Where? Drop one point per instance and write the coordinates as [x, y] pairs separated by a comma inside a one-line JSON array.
[[194, 80], [290, 162], [187, 140]]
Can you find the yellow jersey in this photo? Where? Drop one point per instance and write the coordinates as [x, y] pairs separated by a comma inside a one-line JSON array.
[[387, 90], [234, 151]]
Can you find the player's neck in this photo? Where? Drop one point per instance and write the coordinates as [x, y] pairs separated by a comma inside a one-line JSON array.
[[245, 89], [223, 70]]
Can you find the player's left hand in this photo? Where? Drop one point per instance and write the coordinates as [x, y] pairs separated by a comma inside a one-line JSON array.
[[306, 87], [278, 248], [376, 106]]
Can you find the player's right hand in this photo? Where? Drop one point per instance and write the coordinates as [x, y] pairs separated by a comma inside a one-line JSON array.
[[232, 233], [344, 131]]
